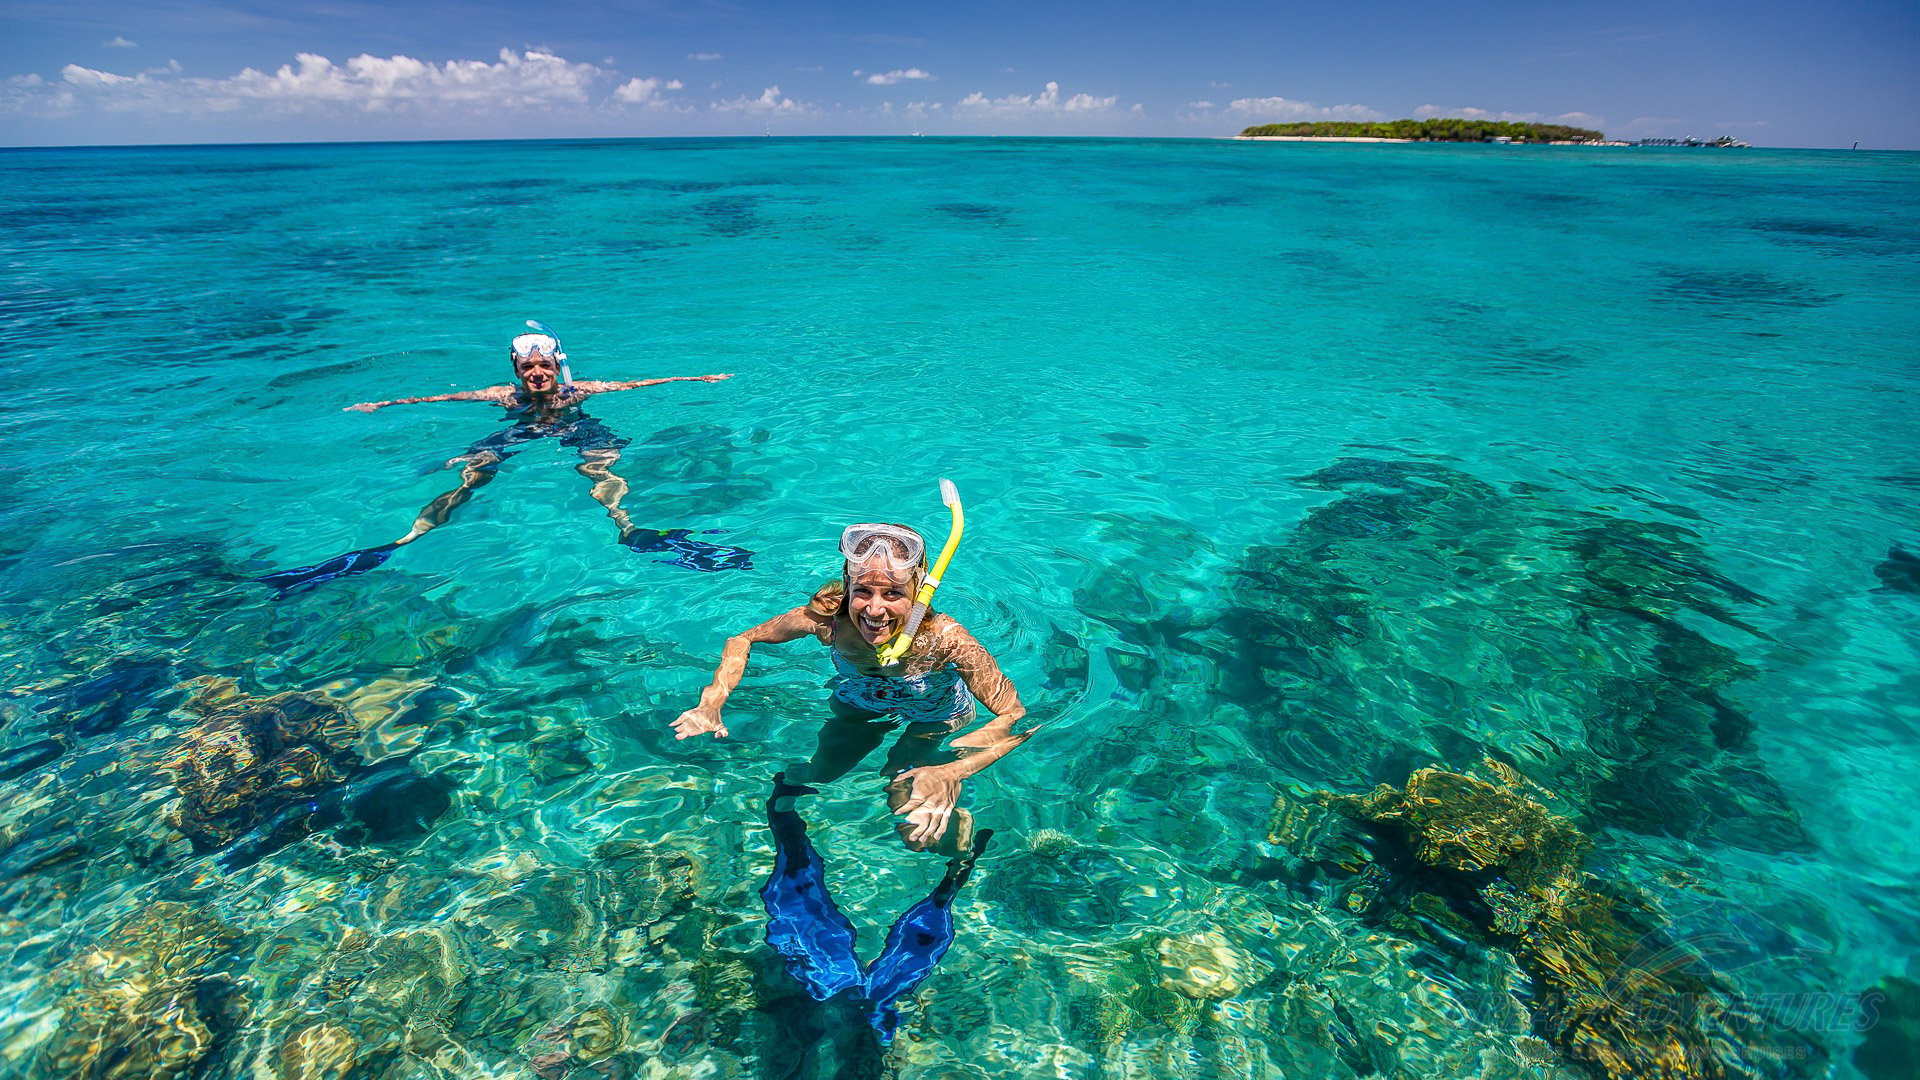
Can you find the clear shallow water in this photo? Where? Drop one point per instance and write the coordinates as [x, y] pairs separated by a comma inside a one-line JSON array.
[[1288, 469]]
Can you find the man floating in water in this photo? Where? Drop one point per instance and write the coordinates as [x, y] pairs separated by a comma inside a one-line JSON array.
[[545, 404]]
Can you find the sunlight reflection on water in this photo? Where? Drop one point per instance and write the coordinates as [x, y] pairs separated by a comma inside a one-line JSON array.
[[1288, 470]]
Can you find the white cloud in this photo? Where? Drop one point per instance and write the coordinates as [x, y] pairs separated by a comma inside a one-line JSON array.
[[532, 79], [79, 76], [1218, 85], [888, 78], [1277, 109], [1577, 119], [1468, 112], [119, 42], [645, 91], [770, 102], [1045, 103], [1203, 105], [371, 96], [705, 56]]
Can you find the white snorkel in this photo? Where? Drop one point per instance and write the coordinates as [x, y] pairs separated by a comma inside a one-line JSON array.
[[559, 353]]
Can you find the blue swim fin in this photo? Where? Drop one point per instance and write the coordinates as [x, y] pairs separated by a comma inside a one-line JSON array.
[[302, 578], [915, 943], [803, 924], [692, 554]]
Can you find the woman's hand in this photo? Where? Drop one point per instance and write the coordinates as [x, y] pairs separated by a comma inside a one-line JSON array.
[[699, 720], [929, 793]]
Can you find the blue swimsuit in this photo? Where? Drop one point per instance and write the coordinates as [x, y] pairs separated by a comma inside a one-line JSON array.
[[938, 697]]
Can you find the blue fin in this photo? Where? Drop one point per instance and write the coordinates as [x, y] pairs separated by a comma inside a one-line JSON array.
[[302, 578], [803, 924], [692, 554], [915, 943]]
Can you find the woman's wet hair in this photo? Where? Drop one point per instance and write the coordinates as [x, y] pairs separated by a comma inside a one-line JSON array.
[[829, 599]]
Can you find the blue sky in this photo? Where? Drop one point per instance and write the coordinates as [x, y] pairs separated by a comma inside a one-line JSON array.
[[121, 71]]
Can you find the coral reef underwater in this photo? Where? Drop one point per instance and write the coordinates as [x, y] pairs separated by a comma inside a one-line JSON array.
[[1453, 780]]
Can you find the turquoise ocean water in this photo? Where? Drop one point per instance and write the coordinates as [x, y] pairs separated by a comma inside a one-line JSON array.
[[1289, 470]]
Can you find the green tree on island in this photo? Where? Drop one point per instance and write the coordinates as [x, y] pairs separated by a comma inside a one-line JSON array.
[[1440, 129]]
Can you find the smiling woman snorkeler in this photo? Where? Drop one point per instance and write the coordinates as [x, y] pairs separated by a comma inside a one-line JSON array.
[[926, 694]]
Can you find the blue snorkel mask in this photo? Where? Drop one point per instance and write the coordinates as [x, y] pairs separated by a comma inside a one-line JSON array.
[[524, 347]]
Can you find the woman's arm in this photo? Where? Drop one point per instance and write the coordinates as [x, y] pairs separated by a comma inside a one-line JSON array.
[[498, 395], [991, 688], [931, 790], [705, 717], [601, 386]]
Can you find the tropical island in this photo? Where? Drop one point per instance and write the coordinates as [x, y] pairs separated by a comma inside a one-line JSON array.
[[1440, 129]]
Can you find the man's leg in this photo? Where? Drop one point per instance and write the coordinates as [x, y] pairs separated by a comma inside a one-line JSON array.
[[479, 465], [476, 472], [609, 487], [599, 448]]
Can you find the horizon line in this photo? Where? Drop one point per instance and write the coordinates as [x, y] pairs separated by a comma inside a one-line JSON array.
[[431, 140]]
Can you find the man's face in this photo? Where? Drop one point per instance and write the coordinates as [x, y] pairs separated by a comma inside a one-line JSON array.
[[538, 373]]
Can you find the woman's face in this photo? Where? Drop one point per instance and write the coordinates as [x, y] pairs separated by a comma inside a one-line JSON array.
[[878, 605]]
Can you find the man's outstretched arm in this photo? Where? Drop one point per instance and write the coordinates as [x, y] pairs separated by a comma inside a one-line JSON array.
[[601, 386], [498, 395]]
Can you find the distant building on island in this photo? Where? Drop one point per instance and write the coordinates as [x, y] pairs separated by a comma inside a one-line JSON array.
[[1724, 140]]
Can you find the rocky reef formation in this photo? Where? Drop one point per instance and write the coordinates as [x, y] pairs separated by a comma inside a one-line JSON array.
[[135, 1005], [248, 757], [1425, 616], [1892, 1042], [1138, 966], [1463, 622], [1449, 620], [1611, 990]]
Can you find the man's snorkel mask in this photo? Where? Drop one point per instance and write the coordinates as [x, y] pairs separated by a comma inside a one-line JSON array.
[[543, 340], [899, 553]]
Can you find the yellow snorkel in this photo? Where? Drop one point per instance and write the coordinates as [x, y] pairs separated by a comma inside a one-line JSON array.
[[892, 651]]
